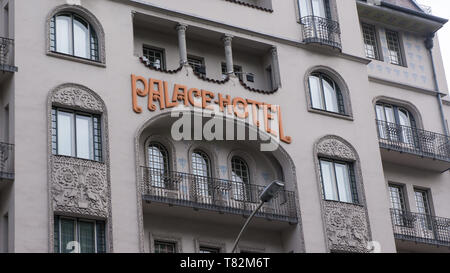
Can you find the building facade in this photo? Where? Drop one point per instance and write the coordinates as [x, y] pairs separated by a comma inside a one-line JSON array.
[[152, 126]]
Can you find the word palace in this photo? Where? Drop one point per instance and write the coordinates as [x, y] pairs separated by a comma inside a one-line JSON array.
[[158, 91]]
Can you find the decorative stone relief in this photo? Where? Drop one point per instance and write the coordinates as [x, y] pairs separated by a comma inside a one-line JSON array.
[[79, 186], [347, 225], [335, 148], [77, 96], [347, 228]]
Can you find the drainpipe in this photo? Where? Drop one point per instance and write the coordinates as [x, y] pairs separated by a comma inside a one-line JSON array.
[[429, 44]]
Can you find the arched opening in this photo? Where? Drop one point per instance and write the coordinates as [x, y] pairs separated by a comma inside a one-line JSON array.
[[209, 177], [327, 93]]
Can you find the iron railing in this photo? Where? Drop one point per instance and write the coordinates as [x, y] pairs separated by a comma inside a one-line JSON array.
[[412, 140], [322, 31], [421, 228], [210, 193], [6, 55], [6, 161]]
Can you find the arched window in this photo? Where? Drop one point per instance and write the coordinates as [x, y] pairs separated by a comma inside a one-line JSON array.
[[395, 123], [325, 94], [158, 164], [70, 34], [240, 175], [201, 169]]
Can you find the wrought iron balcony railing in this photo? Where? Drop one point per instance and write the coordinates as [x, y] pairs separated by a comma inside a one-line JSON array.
[[321, 31], [209, 193], [6, 161], [6, 55], [421, 228], [413, 140]]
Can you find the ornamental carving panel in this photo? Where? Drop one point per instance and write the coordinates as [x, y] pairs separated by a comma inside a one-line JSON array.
[[346, 226], [79, 186], [336, 149], [77, 96]]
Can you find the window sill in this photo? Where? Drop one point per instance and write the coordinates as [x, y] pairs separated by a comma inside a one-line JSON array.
[[330, 114], [75, 59]]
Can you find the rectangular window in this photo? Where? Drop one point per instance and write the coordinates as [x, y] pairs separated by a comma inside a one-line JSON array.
[[397, 197], [423, 207], [198, 65], [155, 57], [398, 204], [371, 42], [79, 235], [394, 47], [210, 250], [237, 71], [422, 202], [76, 134], [165, 247], [338, 180]]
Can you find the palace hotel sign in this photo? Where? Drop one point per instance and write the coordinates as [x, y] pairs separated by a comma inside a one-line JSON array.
[[157, 93]]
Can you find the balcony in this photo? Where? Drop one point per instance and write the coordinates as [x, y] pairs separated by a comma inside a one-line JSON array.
[[421, 228], [207, 193], [321, 31], [6, 161], [6, 55], [414, 147]]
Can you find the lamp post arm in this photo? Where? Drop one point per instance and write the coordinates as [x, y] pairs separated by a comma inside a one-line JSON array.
[[245, 226]]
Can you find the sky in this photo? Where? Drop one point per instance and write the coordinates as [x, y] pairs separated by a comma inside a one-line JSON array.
[[441, 8]]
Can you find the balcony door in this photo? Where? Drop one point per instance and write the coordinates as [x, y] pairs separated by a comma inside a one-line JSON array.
[[158, 165], [395, 124], [424, 216], [315, 18], [318, 8], [201, 169]]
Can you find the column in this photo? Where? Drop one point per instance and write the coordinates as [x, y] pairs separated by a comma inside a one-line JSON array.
[[181, 29], [275, 68], [227, 41]]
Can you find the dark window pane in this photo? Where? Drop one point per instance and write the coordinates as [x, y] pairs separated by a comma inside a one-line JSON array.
[[86, 236]]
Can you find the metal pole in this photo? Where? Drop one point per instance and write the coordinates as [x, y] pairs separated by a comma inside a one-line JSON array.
[[245, 226]]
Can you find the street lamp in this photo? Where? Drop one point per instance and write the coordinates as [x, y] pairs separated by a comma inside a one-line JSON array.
[[268, 193]]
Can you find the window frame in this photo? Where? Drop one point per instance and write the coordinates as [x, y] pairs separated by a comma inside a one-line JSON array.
[[404, 131], [376, 39], [342, 108], [77, 220], [97, 133], [310, 10], [215, 250], [354, 194], [244, 193], [93, 37], [202, 181], [159, 50], [400, 53], [425, 193], [165, 242], [237, 69], [200, 63]]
